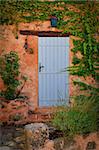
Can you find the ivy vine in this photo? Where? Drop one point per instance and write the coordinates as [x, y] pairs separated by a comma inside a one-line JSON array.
[[9, 72]]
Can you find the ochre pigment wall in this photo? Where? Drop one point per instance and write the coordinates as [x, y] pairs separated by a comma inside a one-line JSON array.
[[28, 62], [28, 65]]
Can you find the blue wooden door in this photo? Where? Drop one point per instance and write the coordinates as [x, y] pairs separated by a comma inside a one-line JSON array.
[[53, 80]]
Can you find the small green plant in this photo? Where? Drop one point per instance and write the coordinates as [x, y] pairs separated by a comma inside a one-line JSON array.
[[16, 117], [9, 72], [59, 120], [79, 119]]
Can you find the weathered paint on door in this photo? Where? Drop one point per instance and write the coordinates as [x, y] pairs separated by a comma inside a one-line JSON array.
[[53, 80]]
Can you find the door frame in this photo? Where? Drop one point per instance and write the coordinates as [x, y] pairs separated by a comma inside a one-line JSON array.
[[48, 34]]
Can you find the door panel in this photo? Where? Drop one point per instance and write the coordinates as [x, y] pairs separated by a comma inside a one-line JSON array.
[[53, 80]]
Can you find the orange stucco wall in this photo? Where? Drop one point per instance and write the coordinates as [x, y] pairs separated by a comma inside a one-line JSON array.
[[28, 62]]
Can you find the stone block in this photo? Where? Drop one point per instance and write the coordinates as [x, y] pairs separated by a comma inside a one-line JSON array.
[[35, 135]]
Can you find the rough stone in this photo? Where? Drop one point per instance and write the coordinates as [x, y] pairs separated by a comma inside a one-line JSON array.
[[10, 143], [91, 146], [36, 134], [5, 148], [18, 139], [49, 145]]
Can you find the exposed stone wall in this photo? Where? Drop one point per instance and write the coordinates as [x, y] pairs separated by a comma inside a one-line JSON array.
[[36, 136]]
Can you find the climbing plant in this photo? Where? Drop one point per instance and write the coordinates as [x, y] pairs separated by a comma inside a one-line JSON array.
[[87, 45], [9, 72], [14, 11]]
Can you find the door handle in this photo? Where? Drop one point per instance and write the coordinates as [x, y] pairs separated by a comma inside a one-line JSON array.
[[40, 67]]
